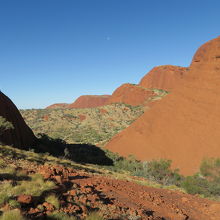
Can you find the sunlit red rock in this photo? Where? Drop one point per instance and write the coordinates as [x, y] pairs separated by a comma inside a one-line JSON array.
[[185, 125]]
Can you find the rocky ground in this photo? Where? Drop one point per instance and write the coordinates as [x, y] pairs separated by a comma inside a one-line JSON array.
[[82, 191]]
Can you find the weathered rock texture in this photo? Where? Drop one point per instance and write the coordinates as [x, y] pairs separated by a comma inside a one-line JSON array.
[[185, 125], [21, 136], [130, 94], [90, 101], [165, 77]]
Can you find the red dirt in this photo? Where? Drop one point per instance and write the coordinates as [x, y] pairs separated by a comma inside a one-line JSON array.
[[165, 77], [90, 101], [184, 126], [58, 105], [82, 117], [130, 94], [83, 191], [21, 136]]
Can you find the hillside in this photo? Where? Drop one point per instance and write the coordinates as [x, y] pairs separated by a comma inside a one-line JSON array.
[[184, 126], [42, 187], [88, 125]]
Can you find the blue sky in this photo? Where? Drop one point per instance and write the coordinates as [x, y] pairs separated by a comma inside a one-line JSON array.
[[56, 50]]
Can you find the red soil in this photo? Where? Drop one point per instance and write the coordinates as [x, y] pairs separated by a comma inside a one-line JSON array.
[[58, 105], [130, 94], [90, 101], [184, 126], [81, 191], [21, 136], [82, 117], [165, 77]]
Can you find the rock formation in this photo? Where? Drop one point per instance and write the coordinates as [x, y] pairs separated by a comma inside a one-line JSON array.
[[90, 101], [131, 94], [185, 125], [165, 77], [21, 136], [58, 105]]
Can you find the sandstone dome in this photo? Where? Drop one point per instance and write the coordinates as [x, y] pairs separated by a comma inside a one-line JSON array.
[[185, 125], [21, 136]]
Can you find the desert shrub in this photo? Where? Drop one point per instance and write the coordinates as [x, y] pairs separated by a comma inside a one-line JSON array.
[[12, 215], [2, 163], [5, 125], [196, 185], [60, 216], [35, 186], [124, 164], [157, 170], [13, 204], [210, 168], [207, 182], [161, 172], [53, 200], [94, 216]]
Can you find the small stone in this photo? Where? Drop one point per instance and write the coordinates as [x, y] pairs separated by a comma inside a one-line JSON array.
[[26, 199]]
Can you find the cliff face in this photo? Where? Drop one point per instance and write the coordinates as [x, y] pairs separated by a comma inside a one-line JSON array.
[[131, 94], [185, 125], [165, 77], [90, 101], [21, 136]]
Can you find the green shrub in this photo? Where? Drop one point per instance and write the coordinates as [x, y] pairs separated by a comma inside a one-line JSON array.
[[53, 200], [196, 185], [60, 216], [158, 171], [210, 168], [5, 125], [161, 172], [13, 204], [207, 183], [94, 216], [12, 215]]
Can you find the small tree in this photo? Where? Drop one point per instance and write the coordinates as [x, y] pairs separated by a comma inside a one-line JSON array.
[[5, 125]]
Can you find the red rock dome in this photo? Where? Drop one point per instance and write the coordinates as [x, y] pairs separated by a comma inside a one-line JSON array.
[[21, 136], [185, 125], [90, 101], [131, 94], [165, 77]]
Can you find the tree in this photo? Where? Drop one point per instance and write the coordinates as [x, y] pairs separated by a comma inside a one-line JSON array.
[[5, 125]]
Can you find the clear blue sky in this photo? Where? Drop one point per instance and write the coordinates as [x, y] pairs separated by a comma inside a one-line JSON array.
[[56, 50]]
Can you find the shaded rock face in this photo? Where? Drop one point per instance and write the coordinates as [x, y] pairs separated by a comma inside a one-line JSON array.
[[165, 77], [21, 136], [185, 125], [130, 94], [90, 101], [58, 105]]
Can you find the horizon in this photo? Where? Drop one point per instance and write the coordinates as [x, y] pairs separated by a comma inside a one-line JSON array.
[[54, 52]]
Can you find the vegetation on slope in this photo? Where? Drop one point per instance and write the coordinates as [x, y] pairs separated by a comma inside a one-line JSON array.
[[5, 125], [92, 125]]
